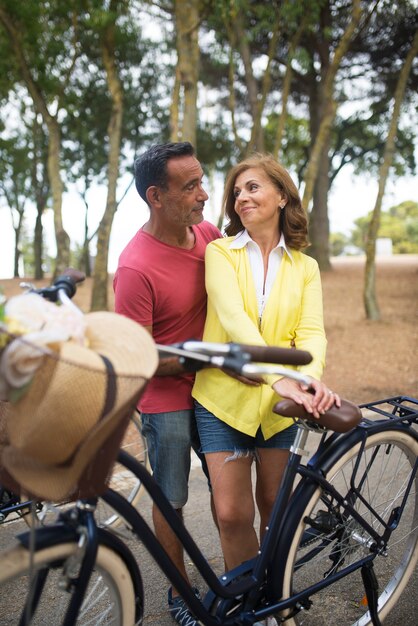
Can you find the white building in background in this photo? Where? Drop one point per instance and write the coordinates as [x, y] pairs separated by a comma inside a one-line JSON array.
[[384, 246]]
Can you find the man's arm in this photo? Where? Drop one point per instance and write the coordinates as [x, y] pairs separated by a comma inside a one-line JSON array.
[[169, 366], [133, 298]]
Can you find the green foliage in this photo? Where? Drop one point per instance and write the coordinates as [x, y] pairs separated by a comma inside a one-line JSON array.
[[28, 256], [48, 34], [360, 141], [62, 42], [338, 242], [295, 147], [399, 223], [15, 167]]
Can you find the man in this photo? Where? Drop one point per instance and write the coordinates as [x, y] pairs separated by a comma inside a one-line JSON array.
[[160, 283]]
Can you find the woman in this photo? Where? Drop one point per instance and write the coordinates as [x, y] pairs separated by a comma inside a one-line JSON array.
[[261, 290]]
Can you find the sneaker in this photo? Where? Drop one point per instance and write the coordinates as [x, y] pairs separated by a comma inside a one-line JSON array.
[[179, 610]]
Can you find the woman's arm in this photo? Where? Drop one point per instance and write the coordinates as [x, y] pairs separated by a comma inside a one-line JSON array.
[[237, 317], [310, 332]]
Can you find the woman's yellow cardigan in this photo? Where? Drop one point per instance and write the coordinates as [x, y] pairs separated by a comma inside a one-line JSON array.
[[293, 315]]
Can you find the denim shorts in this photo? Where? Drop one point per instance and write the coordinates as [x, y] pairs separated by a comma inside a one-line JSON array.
[[217, 436], [170, 437]]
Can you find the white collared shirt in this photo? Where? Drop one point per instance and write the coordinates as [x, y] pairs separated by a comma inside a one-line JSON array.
[[262, 287]]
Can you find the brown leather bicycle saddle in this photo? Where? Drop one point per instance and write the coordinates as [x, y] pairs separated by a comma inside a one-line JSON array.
[[339, 419]]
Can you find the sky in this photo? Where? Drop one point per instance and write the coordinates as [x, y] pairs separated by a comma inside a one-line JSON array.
[[350, 198]]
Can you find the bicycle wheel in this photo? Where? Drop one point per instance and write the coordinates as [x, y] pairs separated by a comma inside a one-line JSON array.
[[14, 508], [122, 480], [326, 540], [109, 599]]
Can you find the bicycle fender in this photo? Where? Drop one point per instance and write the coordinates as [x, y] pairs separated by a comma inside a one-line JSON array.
[[329, 452], [46, 536]]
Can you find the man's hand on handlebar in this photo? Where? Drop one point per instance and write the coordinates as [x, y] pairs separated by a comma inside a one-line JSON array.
[[191, 365], [252, 381], [237, 360]]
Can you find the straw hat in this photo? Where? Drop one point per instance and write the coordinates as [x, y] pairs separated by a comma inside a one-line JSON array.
[[64, 433]]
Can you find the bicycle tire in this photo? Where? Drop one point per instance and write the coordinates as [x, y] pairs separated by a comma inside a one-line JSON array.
[[122, 480], [385, 467], [109, 599], [24, 509]]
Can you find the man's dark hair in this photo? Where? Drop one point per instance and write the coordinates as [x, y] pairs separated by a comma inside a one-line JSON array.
[[151, 167]]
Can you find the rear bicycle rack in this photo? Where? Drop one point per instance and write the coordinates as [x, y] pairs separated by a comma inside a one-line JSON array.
[[402, 409]]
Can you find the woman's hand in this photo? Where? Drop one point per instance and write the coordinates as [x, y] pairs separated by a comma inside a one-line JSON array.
[[316, 398]]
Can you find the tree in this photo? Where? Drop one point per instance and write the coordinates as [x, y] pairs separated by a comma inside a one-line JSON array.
[[108, 42], [183, 119], [323, 108], [265, 72], [129, 65], [318, 35], [399, 223], [45, 71], [249, 30], [369, 294], [338, 242], [287, 82], [40, 190], [325, 60], [23, 176], [84, 130], [14, 186]]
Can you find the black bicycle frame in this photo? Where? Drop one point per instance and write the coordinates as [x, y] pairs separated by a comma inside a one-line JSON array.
[[250, 585], [248, 580]]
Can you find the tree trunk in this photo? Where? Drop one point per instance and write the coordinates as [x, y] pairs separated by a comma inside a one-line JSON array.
[[54, 174], [54, 144], [318, 219], [40, 183], [99, 293], [329, 106], [18, 230], [287, 81], [257, 134], [85, 263], [231, 79], [175, 108], [250, 81], [188, 58], [370, 300], [38, 245], [321, 143]]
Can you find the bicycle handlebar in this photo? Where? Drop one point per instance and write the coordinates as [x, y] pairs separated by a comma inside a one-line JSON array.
[[261, 354], [66, 283], [234, 357], [274, 354]]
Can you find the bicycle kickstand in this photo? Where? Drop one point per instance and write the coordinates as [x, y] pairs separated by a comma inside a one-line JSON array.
[[371, 587]]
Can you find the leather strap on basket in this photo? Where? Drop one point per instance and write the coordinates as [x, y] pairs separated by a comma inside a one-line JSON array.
[[110, 387], [96, 473]]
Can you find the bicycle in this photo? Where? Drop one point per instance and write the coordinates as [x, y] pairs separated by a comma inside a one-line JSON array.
[[14, 507], [350, 523]]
